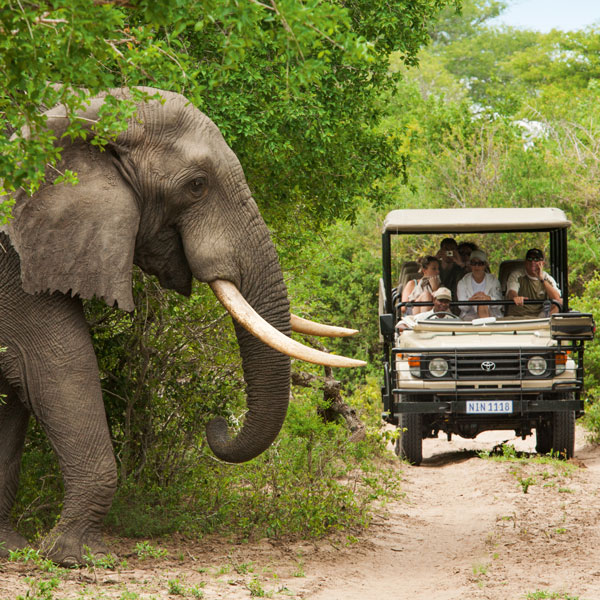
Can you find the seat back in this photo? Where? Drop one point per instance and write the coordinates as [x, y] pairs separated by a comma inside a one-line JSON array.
[[506, 268], [408, 271]]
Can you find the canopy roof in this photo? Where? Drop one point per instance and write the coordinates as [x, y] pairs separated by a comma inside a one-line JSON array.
[[455, 220]]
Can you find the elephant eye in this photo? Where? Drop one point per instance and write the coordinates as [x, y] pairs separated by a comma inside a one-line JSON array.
[[197, 186]]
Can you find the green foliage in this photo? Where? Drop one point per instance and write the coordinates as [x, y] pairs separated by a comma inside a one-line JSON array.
[[165, 371], [293, 86], [544, 595], [312, 481], [176, 588], [147, 550], [464, 22], [335, 281], [40, 589], [108, 561], [256, 590], [588, 302], [40, 492], [27, 555]]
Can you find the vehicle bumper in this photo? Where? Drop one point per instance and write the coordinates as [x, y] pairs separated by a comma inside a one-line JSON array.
[[519, 407]]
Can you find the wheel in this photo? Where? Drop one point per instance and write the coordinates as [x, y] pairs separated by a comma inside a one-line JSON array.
[[446, 313], [563, 433], [543, 434], [409, 444]]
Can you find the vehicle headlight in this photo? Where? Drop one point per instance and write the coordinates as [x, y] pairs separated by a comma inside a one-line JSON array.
[[438, 367], [537, 365]]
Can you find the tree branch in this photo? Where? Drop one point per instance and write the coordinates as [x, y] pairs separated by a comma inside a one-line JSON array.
[[335, 403]]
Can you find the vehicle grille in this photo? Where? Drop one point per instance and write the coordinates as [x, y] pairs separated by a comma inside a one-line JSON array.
[[497, 366], [486, 366]]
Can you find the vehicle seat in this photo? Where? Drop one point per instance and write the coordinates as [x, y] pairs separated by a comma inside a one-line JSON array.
[[408, 271], [506, 268]]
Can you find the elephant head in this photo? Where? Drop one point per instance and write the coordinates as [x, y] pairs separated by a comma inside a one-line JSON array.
[[169, 195]]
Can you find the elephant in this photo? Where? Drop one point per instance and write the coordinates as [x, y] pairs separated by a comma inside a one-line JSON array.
[[170, 196]]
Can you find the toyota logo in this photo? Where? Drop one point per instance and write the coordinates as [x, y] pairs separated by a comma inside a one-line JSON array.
[[488, 366]]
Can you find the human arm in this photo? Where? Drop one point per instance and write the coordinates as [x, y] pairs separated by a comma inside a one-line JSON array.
[[512, 288], [551, 288], [406, 292]]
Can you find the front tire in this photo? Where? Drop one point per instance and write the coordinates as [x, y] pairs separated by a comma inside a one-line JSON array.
[[409, 444], [543, 434], [563, 434]]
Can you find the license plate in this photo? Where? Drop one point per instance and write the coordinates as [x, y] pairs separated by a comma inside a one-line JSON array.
[[489, 407]]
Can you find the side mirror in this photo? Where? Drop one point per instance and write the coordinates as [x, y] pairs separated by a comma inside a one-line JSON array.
[[386, 325]]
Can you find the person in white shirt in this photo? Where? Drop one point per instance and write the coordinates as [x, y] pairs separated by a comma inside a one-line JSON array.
[[531, 283], [479, 285]]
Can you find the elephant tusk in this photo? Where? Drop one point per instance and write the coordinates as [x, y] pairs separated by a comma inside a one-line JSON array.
[[231, 298], [300, 325]]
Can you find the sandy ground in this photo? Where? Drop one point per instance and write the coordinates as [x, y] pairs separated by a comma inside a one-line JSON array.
[[466, 529]]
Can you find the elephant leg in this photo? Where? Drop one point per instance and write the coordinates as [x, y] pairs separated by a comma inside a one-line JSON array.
[[75, 423], [13, 425], [62, 389]]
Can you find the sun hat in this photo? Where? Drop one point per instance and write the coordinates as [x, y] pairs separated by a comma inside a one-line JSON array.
[[478, 255], [442, 293]]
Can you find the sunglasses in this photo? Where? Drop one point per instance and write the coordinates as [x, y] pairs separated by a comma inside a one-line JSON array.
[[477, 263], [535, 260]]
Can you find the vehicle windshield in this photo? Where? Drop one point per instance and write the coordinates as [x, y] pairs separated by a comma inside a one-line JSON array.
[[499, 247]]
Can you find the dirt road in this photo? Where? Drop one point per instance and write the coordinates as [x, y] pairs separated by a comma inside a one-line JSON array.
[[467, 529]]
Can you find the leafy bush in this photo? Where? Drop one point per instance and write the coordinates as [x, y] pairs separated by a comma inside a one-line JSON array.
[[588, 302], [310, 482]]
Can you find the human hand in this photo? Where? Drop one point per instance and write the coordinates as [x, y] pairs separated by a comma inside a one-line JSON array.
[[520, 300], [480, 296], [536, 269]]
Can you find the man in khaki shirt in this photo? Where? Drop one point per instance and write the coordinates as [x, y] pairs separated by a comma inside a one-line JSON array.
[[531, 283]]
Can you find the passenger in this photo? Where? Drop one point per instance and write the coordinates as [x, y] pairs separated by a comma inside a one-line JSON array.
[[465, 249], [441, 310], [420, 290], [479, 285], [452, 268], [531, 283]]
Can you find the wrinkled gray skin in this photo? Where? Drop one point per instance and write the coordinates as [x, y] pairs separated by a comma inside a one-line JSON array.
[[170, 196]]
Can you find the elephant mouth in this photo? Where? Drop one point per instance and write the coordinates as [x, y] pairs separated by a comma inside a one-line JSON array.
[[235, 303]]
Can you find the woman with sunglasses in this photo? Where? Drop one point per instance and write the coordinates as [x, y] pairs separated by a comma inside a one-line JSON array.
[[478, 285]]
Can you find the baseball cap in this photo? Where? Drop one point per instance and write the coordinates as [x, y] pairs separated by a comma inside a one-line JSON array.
[[442, 293], [478, 255], [534, 254]]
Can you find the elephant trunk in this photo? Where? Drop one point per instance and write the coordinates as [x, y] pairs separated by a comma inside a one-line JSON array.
[[267, 376], [266, 370]]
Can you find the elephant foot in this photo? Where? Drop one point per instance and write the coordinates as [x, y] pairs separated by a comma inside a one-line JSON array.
[[72, 548], [10, 540]]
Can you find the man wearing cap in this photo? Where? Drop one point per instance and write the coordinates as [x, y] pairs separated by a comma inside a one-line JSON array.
[[441, 310], [531, 283], [479, 285]]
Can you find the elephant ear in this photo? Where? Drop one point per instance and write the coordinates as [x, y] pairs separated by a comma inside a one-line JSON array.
[[79, 239]]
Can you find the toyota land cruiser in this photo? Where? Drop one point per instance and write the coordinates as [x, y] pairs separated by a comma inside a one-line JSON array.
[[464, 377]]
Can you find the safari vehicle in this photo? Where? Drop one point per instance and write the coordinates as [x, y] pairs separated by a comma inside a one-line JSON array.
[[464, 377]]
